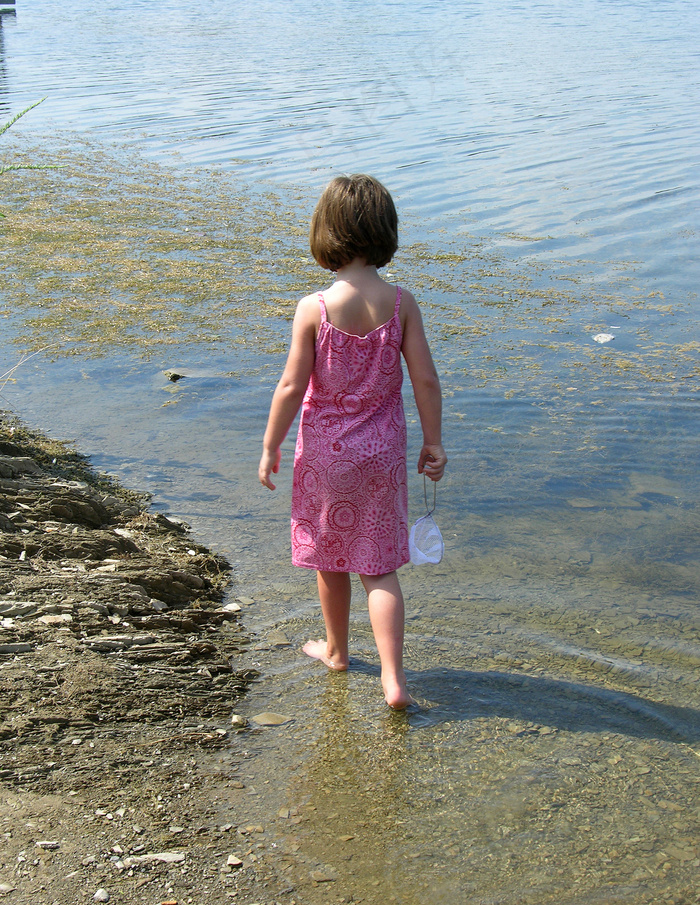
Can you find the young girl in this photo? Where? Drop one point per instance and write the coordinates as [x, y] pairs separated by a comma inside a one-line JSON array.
[[349, 496]]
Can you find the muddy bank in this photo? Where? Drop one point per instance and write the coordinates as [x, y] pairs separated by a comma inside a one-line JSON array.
[[121, 662]]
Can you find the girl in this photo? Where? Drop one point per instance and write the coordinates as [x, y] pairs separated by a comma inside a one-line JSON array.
[[349, 496]]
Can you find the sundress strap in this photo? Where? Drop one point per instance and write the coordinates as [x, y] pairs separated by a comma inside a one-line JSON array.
[[398, 300], [322, 303]]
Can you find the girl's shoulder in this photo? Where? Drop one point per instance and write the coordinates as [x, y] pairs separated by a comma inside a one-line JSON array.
[[309, 308], [407, 296], [409, 306]]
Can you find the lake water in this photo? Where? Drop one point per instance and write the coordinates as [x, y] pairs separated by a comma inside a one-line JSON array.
[[544, 161]]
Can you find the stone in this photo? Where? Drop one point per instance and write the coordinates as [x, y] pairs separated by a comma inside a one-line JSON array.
[[268, 718], [164, 857], [234, 861], [19, 647], [238, 721], [321, 876], [101, 896], [19, 465], [278, 639], [48, 845]]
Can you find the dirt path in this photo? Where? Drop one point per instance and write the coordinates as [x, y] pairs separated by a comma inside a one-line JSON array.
[[120, 667]]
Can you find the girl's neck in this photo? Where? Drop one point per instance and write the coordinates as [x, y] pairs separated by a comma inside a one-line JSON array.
[[357, 271]]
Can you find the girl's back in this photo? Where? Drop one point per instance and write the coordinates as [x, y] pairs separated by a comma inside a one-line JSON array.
[[361, 306]]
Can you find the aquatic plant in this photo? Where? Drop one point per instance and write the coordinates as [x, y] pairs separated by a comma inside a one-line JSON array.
[[8, 125], [5, 168]]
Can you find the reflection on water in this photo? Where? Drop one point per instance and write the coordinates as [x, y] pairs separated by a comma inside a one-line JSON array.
[[546, 161], [4, 104]]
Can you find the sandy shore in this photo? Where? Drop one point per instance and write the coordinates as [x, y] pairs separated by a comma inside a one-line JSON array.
[[120, 666]]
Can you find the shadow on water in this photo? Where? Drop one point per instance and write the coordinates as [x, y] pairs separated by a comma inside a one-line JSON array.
[[451, 694]]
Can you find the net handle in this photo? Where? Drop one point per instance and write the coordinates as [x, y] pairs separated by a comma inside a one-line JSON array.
[[425, 494]]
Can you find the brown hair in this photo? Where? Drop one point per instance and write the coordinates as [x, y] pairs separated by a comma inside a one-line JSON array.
[[354, 218]]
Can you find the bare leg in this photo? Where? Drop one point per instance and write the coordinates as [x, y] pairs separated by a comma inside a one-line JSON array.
[[386, 613], [334, 593]]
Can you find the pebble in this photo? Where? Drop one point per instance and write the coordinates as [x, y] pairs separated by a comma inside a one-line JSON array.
[[234, 861], [101, 896], [238, 721], [48, 845], [6, 889]]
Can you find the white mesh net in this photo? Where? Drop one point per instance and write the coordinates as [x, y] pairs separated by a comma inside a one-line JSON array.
[[425, 542]]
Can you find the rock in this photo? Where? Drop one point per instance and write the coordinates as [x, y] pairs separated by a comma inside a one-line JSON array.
[[6, 889], [321, 876], [18, 608], [15, 465], [19, 647], [268, 718], [278, 639], [101, 896], [238, 721], [234, 861], [48, 845], [56, 618], [164, 857]]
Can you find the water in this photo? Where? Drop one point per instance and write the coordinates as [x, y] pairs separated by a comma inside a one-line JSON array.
[[555, 650]]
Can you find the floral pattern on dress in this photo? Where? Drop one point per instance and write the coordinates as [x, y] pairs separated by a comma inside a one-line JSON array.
[[349, 496]]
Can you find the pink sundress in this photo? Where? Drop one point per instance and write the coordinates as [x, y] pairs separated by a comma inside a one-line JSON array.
[[349, 495]]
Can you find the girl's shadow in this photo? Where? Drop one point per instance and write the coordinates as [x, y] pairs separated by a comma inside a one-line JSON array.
[[456, 694]]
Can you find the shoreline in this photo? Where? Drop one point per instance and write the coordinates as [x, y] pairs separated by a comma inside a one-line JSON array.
[[120, 666]]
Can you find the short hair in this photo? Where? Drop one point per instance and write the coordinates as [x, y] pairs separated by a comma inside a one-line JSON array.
[[354, 218]]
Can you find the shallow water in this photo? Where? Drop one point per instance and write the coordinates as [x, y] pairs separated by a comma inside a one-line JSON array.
[[554, 652]]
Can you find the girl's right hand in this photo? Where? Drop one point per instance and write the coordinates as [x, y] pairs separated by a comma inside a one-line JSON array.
[[269, 464], [432, 461]]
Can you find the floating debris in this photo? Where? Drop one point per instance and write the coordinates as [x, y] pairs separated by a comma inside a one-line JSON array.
[[603, 337]]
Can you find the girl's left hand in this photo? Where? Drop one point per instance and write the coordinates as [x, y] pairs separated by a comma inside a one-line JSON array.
[[269, 464], [432, 461]]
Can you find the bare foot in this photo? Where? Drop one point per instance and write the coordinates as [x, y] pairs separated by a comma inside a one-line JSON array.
[[396, 695], [319, 651]]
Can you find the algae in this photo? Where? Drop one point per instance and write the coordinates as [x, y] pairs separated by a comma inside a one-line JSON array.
[[114, 253]]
